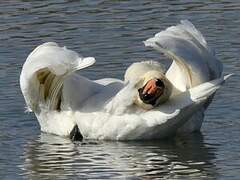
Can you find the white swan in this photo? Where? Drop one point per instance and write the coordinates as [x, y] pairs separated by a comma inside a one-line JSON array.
[[65, 102]]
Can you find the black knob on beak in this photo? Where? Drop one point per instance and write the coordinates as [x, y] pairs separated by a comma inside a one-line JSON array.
[[159, 83]]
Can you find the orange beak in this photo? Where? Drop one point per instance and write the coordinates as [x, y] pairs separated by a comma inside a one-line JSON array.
[[151, 87], [151, 91]]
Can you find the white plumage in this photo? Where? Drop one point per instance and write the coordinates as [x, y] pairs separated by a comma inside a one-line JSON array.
[[108, 108]]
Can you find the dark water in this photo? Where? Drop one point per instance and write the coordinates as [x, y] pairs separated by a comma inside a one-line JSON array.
[[113, 31]]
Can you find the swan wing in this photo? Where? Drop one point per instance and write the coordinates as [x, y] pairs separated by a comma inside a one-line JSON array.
[[186, 104], [193, 61], [135, 123], [44, 72]]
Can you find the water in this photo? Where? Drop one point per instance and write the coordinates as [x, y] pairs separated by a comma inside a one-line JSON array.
[[113, 31]]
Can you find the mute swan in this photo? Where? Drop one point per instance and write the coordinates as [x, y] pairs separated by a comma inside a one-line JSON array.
[[148, 104]]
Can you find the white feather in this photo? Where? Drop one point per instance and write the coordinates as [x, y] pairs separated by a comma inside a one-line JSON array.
[[105, 109]]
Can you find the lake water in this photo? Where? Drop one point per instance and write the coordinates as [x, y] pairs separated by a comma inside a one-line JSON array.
[[112, 32]]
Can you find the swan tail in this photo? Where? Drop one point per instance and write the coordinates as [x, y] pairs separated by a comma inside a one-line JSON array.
[[44, 72], [194, 61]]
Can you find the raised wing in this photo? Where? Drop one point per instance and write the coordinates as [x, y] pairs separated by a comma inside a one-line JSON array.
[[43, 74], [193, 61]]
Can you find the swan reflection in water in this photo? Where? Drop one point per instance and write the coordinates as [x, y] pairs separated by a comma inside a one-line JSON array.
[[52, 156]]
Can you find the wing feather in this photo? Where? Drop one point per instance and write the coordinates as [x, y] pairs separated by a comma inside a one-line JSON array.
[[193, 61], [44, 72]]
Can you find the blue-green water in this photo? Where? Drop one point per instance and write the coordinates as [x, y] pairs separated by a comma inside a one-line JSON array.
[[112, 32]]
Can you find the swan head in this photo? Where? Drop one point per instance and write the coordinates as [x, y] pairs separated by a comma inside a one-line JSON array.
[[152, 86], [153, 89]]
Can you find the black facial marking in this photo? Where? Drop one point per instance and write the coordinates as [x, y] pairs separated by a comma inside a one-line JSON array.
[[147, 98], [159, 83]]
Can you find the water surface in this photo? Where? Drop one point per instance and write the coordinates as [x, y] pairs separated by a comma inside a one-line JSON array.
[[112, 32]]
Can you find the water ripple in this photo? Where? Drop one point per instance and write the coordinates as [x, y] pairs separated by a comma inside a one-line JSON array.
[[113, 31]]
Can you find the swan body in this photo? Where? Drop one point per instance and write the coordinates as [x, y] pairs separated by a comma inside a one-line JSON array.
[[112, 108]]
